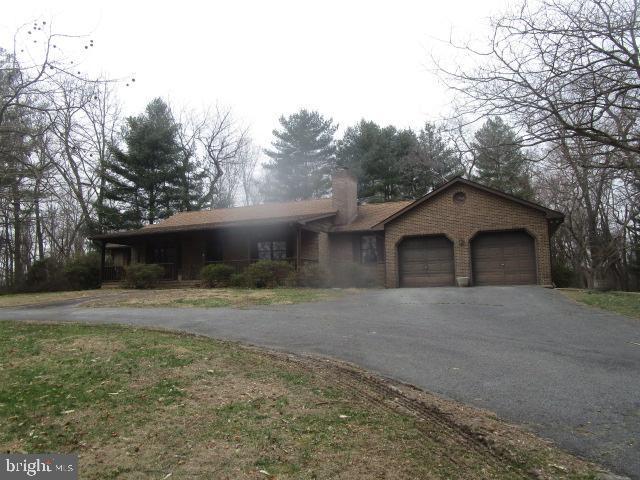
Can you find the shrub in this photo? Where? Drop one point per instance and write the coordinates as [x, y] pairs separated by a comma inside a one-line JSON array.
[[216, 275], [310, 275], [141, 275], [238, 280], [268, 274], [563, 275], [83, 272], [44, 275]]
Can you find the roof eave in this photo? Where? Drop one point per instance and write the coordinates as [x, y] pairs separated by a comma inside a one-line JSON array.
[[375, 228], [318, 217], [208, 226]]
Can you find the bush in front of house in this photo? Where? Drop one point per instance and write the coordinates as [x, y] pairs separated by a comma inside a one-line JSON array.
[[83, 272], [238, 280], [142, 275], [564, 275], [216, 275], [44, 275], [268, 274], [310, 275]]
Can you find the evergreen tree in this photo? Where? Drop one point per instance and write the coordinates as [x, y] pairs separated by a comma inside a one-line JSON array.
[[302, 157], [432, 162], [377, 156], [190, 179], [142, 184], [499, 160]]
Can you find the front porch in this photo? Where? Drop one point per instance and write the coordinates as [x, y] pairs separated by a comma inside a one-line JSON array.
[[182, 255]]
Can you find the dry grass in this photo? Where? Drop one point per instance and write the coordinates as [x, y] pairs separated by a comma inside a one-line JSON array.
[[216, 297], [176, 297], [140, 404], [23, 299]]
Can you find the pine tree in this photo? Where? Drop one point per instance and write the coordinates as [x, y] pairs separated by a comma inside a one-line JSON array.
[[499, 160], [302, 157], [377, 157], [189, 194], [431, 163], [142, 184]]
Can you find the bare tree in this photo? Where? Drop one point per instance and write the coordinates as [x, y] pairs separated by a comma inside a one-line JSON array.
[[222, 140], [46, 147], [248, 163], [592, 236], [80, 135], [560, 69], [218, 148]]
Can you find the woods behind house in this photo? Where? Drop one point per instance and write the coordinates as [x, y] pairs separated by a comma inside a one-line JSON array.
[[546, 110]]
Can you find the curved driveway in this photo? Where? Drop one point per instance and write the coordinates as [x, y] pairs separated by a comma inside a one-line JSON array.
[[568, 372]]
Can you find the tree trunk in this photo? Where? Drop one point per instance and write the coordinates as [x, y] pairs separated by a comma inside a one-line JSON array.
[[39, 237], [18, 267]]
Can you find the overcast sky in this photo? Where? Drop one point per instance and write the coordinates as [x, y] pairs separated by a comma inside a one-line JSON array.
[[347, 59]]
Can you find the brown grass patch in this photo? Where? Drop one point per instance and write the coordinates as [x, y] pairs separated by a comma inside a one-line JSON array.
[[159, 404], [25, 299], [98, 346], [217, 297]]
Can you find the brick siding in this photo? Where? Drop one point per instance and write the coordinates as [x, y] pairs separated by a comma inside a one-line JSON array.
[[345, 267], [460, 222], [309, 242]]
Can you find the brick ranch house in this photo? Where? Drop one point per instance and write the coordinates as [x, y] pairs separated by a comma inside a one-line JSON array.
[[461, 233]]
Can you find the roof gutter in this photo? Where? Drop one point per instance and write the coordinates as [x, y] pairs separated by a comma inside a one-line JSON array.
[[140, 232]]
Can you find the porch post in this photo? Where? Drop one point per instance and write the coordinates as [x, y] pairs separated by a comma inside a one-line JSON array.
[[298, 247], [248, 247], [103, 244], [179, 274]]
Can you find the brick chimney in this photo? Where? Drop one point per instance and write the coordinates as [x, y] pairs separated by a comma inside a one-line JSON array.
[[344, 187]]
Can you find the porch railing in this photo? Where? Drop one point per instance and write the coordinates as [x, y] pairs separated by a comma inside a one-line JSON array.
[[170, 271], [113, 274]]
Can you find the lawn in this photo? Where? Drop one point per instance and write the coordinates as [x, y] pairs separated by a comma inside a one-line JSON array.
[[22, 299], [624, 303], [178, 297], [146, 404]]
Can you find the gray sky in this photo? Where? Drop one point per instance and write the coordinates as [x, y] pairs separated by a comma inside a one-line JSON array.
[[347, 59]]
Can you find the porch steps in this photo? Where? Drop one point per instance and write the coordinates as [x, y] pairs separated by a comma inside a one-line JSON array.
[[162, 284]]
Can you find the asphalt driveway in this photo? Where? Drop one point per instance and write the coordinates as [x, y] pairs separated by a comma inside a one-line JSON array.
[[568, 372]]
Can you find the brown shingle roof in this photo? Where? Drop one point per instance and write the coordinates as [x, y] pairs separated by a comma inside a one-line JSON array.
[[203, 219], [370, 215], [268, 211]]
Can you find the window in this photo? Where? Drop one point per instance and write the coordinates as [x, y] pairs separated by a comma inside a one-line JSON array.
[[459, 197], [163, 255], [368, 249], [276, 250]]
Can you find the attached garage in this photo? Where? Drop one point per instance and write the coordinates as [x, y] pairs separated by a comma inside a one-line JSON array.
[[503, 258], [426, 262]]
